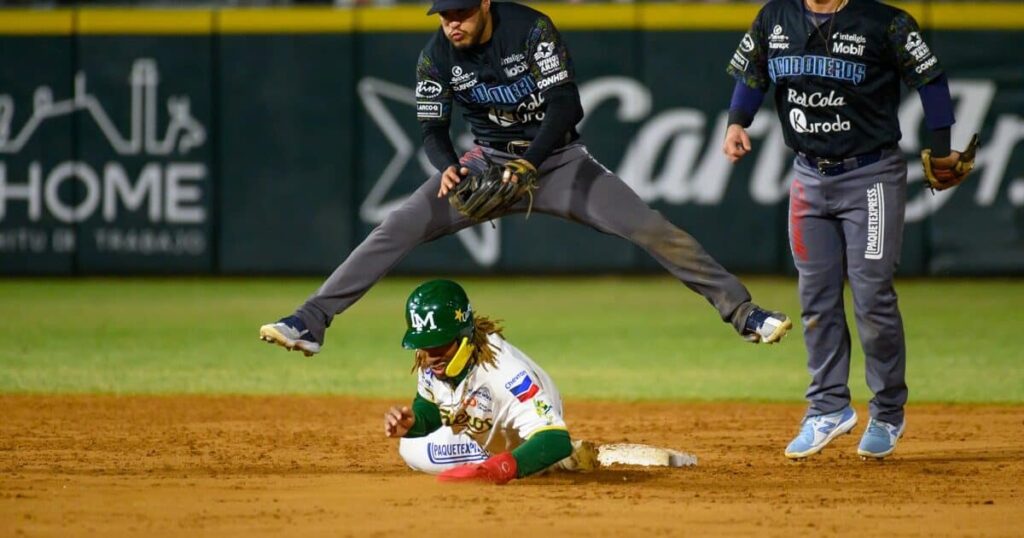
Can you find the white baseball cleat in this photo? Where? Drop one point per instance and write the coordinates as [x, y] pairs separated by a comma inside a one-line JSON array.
[[291, 334], [765, 327]]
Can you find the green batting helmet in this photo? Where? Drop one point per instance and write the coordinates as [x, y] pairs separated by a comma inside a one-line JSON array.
[[437, 312]]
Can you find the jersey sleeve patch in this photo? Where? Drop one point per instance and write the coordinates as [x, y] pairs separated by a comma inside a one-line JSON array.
[[914, 59], [528, 406], [433, 95], [522, 386], [547, 56], [748, 63]]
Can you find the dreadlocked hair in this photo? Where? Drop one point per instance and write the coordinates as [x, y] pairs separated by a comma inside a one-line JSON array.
[[483, 350]]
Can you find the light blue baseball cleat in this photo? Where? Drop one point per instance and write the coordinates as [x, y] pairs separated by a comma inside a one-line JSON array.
[[817, 431], [291, 334], [880, 438]]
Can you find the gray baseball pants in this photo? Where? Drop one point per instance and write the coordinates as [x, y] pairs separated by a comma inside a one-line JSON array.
[[851, 225], [573, 186]]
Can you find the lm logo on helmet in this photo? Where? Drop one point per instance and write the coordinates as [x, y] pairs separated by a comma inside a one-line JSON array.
[[419, 323]]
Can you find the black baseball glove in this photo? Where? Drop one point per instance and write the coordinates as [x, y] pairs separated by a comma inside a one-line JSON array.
[[951, 170], [489, 193]]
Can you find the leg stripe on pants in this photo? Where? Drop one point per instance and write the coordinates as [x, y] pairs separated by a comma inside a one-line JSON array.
[[876, 223]]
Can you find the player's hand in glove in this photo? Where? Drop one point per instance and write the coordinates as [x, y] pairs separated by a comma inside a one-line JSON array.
[[498, 469], [519, 169], [398, 421], [942, 173], [450, 178], [488, 194]]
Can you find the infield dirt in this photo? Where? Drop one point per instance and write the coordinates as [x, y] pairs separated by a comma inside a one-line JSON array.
[[298, 466]]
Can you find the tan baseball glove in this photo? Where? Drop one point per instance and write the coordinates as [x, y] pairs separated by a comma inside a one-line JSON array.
[[951, 170], [488, 194]]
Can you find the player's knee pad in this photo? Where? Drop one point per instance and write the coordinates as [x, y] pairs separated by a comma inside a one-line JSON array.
[[439, 451]]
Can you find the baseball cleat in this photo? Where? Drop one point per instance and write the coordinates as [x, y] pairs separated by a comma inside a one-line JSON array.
[[879, 439], [290, 333], [765, 327], [816, 432]]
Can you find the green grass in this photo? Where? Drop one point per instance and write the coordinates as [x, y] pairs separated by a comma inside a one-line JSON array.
[[600, 338]]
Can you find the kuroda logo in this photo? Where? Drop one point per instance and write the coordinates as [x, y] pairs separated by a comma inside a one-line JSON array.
[[798, 120], [168, 189]]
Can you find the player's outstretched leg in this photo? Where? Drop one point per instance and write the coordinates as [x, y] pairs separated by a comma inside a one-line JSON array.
[[582, 190], [422, 218], [290, 333], [764, 327]]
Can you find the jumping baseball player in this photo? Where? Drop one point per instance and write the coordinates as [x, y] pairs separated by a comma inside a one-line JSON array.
[[836, 66], [483, 410], [508, 69]]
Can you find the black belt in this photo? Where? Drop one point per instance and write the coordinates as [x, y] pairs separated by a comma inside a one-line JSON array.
[[834, 167], [519, 147], [515, 147]]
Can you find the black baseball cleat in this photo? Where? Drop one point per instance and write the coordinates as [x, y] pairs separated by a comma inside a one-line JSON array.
[[290, 333], [765, 327]]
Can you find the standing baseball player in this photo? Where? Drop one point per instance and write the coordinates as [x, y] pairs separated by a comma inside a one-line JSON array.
[[836, 66], [483, 410], [507, 68]]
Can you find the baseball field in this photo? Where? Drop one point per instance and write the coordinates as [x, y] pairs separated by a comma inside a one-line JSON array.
[[148, 407]]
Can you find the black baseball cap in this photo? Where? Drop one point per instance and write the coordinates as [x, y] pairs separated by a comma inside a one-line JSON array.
[[445, 5]]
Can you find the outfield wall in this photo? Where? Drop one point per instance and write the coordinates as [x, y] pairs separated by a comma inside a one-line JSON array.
[[272, 141]]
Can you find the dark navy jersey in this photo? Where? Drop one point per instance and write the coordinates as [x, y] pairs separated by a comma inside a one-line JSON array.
[[836, 85], [500, 85]]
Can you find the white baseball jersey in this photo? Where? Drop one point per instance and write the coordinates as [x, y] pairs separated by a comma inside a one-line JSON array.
[[499, 406]]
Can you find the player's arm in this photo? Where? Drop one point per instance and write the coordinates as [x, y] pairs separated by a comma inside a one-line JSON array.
[[434, 111], [920, 69], [421, 420], [938, 113], [551, 67], [749, 66]]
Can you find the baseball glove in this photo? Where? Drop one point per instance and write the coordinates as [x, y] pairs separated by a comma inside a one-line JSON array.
[[951, 170], [487, 194]]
